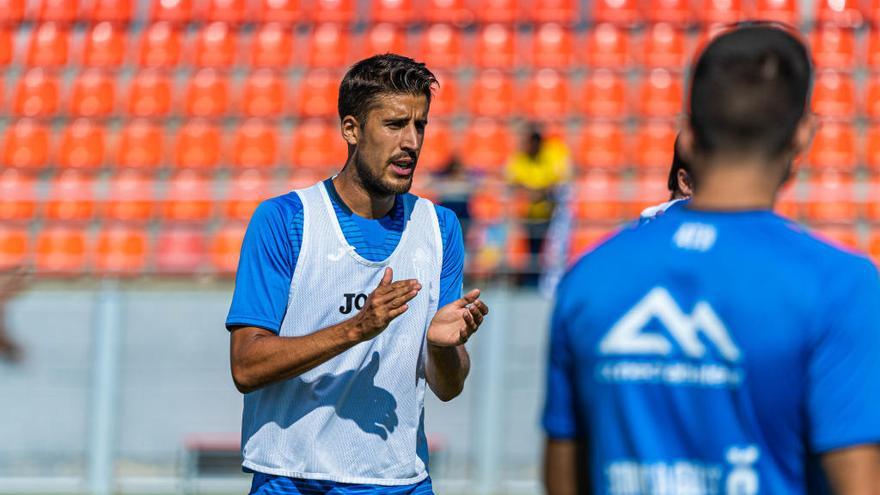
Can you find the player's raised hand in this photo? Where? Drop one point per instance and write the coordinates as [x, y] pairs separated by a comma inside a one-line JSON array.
[[457, 321], [387, 302]]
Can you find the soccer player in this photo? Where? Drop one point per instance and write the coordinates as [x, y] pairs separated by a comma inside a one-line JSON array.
[[680, 187], [720, 349], [347, 302]]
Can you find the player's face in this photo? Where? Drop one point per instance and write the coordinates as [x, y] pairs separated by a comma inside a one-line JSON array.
[[390, 141]]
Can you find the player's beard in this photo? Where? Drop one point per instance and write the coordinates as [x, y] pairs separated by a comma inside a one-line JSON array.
[[376, 184]]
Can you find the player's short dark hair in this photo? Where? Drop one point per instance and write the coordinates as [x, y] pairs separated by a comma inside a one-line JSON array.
[[678, 163], [749, 90], [380, 75]]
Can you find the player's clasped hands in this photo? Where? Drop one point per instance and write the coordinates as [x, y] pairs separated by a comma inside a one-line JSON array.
[[387, 302], [455, 323]]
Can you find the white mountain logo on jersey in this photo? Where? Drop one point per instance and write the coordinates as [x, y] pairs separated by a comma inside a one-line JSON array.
[[628, 335]]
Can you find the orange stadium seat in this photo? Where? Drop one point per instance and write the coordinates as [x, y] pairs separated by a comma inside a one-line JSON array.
[[111, 10], [179, 250], [438, 147], [874, 247], [177, 11], [317, 95], [198, 145], [785, 11], [161, 45], [246, 190], [552, 46], [871, 102], [492, 94], [653, 145], [648, 190], [61, 250], [561, 11], [720, 12], [608, 46], [206, 94], [317, 145], [149, 94], [105, 45], [263, 94], [584, 238], [597, 198], [787, 203], [872, 49], [93, 94], [226, 247], [26, 145], [49, 45], [548, 96], [624, 12], [445, 101], [62, 11], [831, 199], [272, 46], [872, 205], [255, 145], [397, 11], [82, 145], [834, 48], [660, 94], [603, 95], [141, 145], [329, 46], [441, 47], [488, 203], [495, 47], [215, 45], [834, 147], [664, 45], [18, 197], [15, 247], [677, 12], [229, 11], [7, 45], [453, 11], [488, 144], [284, 11], [844, 13], [71, 198], [503, 11], [383, 38], [131, 198], [600, 145], [834, 95], [341, 11], [36, 94], [187, 198], [11, 11], [120, 251], [872, 148]]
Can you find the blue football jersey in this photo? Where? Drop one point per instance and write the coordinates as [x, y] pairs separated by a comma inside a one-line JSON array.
[[714, 353]]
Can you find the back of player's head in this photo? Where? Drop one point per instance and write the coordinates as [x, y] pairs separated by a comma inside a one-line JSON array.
[[749, 91], [381, 75]]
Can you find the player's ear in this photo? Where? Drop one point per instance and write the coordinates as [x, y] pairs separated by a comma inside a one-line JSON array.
[[804, 133], [686, 147], [351, 129]]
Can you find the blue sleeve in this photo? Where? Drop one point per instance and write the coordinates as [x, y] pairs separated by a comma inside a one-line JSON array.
[[560, 416], [265, 268], [452, 272], [844, 366]]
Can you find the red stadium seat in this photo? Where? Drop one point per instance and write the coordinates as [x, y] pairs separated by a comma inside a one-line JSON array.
[[597, 198], [561, 11], [26, 145], [872, 59], [492, 94], [441, 47], [120, 251], [229, 11], [161, 45], [226, 247], [720, 12], [663, 45], [198, 145], [36, 94], [844, 236], [179, 250], [317, 145], [61, 250], [149, 94], [871, 101], [552, 47], [677, 12], [608, 46], [872, 148], [15, 247], [445, 101], [623, 12], [341, 11], [245, 192], [105, 46], [131, 198], [263, 95], [317, 95], [329, 46], [141, 145], [216, 45], [187, 198], [831, 199], [834, 95], [62, 11], [207, 94], [844, 13], [453, 11], [503, 11], [384, 38], [397, 11], [111, 10], [48, 47], [584, 239], [177, 11], [548, 96], [653, 145], [82, 145], [872, 206], [255, 145], [93, 94], [71, 198], [7, 45], [601, 145], [834, 48], [18, 197], [785, 11], [272, 46], [649, 190], [284, 11], [488, 144], [11, 11], [834, 147], [660, 94], [603, 95], [437, 148], [495, 47]]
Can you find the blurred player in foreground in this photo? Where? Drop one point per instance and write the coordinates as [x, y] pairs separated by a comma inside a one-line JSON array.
[[679, 184], [335, 321], [720, 349]]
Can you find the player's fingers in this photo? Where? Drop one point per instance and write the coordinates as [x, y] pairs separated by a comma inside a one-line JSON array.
[[469, 298], [484, 309], [403, 298], [387, 277], [470, 324], [394, 313], [396, 290], [477, 315]]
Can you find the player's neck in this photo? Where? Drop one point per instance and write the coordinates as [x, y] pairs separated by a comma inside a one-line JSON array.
[[736, 187], [358, 199]]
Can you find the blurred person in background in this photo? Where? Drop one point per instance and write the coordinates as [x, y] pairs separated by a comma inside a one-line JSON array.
[[721, 348], [536, 172], [348, 302], [12, 282], [454, 188]]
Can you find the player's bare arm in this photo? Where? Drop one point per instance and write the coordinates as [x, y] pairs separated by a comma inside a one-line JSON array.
[[260, 357], [854, 471], [560, 467], [448, 362]]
